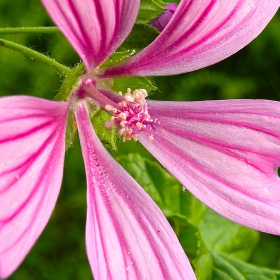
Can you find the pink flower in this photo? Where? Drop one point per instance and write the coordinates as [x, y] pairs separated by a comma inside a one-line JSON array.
[[209, 146]]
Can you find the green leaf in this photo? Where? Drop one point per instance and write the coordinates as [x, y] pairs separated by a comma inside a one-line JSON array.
[[221, 234], [187, 233], [141, 36], [122, 83], [219, 266], [193, 209], [267, 252], [106, 136], [204, 267], [149, 10], [228, 267]]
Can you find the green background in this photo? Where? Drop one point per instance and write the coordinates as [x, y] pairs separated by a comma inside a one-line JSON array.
[[60, 251]]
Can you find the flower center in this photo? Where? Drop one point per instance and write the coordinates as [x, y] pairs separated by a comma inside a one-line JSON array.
[[130, 115]]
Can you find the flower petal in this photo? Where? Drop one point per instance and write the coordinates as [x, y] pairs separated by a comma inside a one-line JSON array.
[[199, 34], [127, 235], [226, 153], [94, 28], [31, 165]]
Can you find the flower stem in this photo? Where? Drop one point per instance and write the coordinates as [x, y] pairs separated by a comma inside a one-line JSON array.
[[29, 30], [34, 55]]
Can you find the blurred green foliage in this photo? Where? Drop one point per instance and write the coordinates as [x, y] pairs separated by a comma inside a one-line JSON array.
[[60, 251]]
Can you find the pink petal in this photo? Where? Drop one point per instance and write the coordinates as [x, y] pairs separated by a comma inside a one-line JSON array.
[[31, 166], [199, 34], [127, 235], [94, 28], [226, 153]]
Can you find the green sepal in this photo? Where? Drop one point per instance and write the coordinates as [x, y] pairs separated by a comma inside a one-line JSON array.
[[70, 82], [66, 88], [117, 57], [106, 136], [71, 130], [122, 83], [141, 36]]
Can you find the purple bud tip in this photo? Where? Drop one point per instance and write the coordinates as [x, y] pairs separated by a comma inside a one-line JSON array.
[[160, 22]]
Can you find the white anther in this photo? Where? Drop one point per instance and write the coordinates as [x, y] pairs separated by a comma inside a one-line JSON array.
[[110, 108], [123, 123], [128, 97], [122, 116], [121, 131], [147, 117], [122, 104]]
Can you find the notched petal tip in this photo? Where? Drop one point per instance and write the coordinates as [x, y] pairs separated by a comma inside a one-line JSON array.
[[226, 153]]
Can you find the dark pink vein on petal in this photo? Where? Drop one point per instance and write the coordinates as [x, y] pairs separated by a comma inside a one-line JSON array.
[[223, 120], [200, 21], [102, 24], [202, 139], [199, 168], [26, 164], [83, 32], [32, 159], [35, 189], [217, 146], [103, 179], [74, 33], [26, 133]]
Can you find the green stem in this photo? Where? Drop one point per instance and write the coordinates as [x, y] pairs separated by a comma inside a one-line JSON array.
[[29, 30], [34, 55]]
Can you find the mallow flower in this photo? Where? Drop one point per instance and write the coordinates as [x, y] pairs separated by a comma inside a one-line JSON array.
[[225, 152]]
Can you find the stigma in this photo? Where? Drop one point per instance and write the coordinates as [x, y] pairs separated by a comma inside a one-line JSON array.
[[130, 116]]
